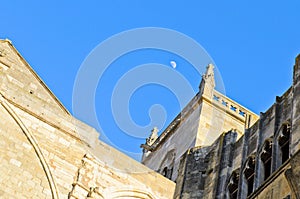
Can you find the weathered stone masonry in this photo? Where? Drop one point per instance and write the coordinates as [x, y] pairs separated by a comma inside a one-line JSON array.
[[262, 161], [47, 153], [215, 148]]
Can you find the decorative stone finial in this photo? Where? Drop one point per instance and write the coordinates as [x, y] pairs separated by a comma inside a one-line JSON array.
[[149, 142], [153, 136], [207, 84], [209, 71]]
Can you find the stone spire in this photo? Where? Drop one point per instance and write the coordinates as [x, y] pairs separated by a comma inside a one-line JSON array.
[[208, 84]]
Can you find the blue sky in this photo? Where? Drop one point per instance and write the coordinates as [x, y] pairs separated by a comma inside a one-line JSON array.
[[252, 43]]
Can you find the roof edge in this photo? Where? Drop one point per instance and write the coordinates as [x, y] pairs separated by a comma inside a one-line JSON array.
[[36, 76]]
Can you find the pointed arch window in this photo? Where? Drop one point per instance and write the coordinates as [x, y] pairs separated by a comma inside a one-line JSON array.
[[233, 184], [167, 172], [266, 158], [249, 174], [284, 142]]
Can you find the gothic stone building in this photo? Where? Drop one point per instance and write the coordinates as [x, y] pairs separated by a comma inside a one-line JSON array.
[[45, 152], [215, 148]]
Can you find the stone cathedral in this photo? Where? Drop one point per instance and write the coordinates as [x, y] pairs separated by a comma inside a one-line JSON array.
[[214, 148]]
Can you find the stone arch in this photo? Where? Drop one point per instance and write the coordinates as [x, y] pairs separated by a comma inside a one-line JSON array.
[[124, 193], [283, 143], [31, 142], [167, 164], [249, 175], [233, 184], [266, 158]]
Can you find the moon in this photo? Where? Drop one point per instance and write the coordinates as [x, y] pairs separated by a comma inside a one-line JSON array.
[[173, 64]]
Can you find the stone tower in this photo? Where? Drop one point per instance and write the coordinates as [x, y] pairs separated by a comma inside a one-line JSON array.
[[262, 163], [200, 123]]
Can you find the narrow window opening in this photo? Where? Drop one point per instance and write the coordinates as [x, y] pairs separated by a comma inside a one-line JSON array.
[[284, 143], [250, 182], [266, 158], [249, 174], [167, 172], [233, 185], [170, 173], [285, 153]]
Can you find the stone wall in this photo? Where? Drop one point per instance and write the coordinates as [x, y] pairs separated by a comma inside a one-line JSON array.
[[200, 123], [169, 152], [46, 153], [263, 163]]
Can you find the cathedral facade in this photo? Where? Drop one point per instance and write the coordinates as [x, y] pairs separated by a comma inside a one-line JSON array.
[[214, 148]]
